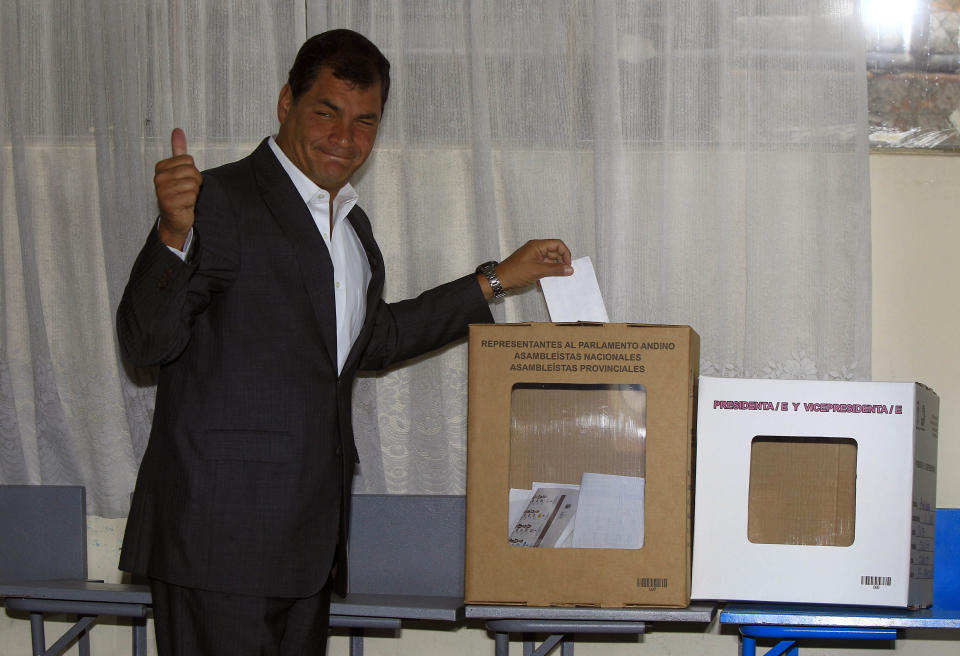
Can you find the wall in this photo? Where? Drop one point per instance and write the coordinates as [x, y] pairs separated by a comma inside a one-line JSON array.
[[914, 318], [916, 234]]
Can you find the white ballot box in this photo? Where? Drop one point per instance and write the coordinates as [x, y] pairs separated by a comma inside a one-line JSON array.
[[815, 492]]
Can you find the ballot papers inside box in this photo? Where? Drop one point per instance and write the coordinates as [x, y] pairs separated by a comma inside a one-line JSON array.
[[579, 462], [576, 465]]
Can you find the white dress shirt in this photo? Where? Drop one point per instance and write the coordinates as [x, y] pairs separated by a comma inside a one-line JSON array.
[[351, 268]]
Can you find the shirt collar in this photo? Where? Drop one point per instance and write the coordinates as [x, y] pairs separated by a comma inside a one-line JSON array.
[[306, 187]]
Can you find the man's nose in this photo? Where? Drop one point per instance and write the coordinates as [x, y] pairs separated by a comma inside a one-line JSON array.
[[343, 133]]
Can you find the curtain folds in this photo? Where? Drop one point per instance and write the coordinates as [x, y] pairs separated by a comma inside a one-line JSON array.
[[711, 158]]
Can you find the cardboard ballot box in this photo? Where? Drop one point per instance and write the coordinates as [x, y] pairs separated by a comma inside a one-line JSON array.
[[815, 492], [579, 463]]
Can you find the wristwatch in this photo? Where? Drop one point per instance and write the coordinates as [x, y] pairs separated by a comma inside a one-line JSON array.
[[487, 270]]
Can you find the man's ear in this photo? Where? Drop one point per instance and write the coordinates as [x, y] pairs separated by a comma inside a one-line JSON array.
[[284, 102]]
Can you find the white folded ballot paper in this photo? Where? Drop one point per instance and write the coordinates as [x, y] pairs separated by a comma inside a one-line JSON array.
[[545, 518], [603, 512], [575, 298], [611, 512]]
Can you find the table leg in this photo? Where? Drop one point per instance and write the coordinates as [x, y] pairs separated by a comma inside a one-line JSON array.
[[356, 642], [37, 637], [501, 644]]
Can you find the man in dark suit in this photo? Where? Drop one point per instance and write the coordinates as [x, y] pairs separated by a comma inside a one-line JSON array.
[[258, 292]]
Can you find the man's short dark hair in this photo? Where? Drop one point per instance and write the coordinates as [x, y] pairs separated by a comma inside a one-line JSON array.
[[351, 57]]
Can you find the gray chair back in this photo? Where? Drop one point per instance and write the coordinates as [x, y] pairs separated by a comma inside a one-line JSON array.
[[43, 532], [407, 545]]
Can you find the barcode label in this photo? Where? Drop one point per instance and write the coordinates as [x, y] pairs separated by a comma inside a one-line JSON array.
[[876, 581], [651, 583]]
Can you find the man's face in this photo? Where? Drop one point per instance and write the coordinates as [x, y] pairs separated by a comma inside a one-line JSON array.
[[329, 131]]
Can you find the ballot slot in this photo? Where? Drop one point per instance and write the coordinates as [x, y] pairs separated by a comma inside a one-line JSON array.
[[577, 465]]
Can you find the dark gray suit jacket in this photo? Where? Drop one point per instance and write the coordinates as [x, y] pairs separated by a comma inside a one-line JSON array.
[[244, 486]]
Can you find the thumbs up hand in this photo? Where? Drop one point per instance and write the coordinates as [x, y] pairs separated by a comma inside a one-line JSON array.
[[177, 182]]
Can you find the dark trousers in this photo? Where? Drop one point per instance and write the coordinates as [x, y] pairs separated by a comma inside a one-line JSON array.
[[191, 622]]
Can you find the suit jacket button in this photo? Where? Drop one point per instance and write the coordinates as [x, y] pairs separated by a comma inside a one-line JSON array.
[[339, 451]]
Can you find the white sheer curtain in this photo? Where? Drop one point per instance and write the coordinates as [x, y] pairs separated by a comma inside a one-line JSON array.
[[710, 157], [89, 93]]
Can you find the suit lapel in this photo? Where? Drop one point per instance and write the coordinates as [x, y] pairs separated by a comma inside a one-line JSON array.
[[361, 225], [293, 217]]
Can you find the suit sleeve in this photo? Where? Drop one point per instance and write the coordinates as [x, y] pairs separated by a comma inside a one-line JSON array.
[[165, 294], [409, 328]]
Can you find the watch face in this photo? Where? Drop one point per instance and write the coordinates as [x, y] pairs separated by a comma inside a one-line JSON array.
[[487, 267]]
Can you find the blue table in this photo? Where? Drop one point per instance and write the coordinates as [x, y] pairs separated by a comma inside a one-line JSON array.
[[790, 623]]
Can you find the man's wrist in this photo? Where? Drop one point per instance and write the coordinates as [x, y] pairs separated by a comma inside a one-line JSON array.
[[487, 273], [177, 242]]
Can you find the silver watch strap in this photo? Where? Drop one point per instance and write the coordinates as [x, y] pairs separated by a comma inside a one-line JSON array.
[[487, 270]]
